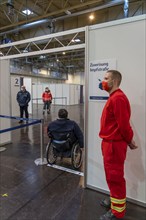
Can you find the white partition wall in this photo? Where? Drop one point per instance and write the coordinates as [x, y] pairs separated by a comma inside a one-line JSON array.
[[28, 84], [63, 94], [66, 94], [59, 94], [71, 94], [5, 101], [121, 45], [76, 94], [34, 93], [40, 91], [15, 88], [53, 91]]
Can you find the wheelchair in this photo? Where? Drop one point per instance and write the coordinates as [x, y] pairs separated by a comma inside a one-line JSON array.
[[64, 148]]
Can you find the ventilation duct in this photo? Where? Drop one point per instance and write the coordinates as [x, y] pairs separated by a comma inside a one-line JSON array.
[[25, 26], [10, 3], [107, 5]]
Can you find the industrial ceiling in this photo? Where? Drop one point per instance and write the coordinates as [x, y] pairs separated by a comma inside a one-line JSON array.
[[23, 19]]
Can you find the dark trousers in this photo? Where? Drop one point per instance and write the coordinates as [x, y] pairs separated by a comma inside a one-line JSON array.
[[22, 110], [47, 105]]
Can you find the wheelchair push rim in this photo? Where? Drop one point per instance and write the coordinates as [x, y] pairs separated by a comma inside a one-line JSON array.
[[50, 155], [76, 156]]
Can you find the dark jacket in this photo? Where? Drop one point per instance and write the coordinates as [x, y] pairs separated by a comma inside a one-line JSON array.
[[23, 98], [61, 126]]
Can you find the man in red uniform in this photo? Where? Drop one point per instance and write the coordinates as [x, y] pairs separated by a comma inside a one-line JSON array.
[[116, 134], [47, 99]]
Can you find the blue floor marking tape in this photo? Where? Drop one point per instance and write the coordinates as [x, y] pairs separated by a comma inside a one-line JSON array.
[[66, 169]]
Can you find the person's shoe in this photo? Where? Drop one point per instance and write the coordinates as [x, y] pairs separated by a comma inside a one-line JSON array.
[[43, 112], [20, 122], [48, 112], [106, 203], [109, 216]]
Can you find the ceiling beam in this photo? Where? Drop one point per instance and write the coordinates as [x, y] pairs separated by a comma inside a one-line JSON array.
[[50, 3], [51, 14]]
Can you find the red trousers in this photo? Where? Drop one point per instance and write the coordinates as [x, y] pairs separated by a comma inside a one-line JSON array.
[[114, 155]]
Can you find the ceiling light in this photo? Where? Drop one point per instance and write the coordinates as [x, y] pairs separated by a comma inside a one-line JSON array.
[[70, 66], [68, 12], [27, 12], [42, 57], [76, 40], [91, 17], [25, 51]]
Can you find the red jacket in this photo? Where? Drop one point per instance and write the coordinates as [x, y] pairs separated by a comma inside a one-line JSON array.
[[47, 96], [115, 120]]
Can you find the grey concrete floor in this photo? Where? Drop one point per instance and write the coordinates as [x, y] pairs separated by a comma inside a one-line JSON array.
[[30, 192]]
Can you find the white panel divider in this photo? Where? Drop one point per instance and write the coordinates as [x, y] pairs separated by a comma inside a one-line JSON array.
[[5, 101], [125, 41]]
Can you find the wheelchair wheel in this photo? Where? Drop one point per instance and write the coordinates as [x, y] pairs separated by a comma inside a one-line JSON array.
[[76, 156], [50, 155]]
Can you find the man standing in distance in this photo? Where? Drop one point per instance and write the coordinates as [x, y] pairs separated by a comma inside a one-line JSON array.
[[116, 134], [47, 99], [23, 98]]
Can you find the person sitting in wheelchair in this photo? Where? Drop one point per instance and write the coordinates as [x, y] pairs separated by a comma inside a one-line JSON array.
[[64, 132]]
